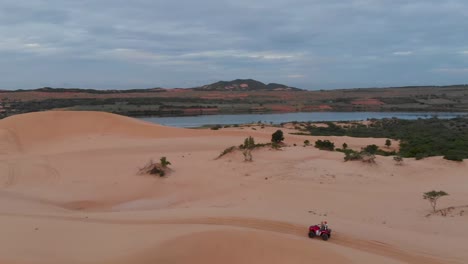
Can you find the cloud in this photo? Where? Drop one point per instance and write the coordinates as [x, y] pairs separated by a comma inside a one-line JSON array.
[[402, 53], [452, 70], [261, 55], [295, 76], [182, 42]]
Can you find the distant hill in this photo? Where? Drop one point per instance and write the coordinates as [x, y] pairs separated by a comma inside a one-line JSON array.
[[94, 91], [245, 85]]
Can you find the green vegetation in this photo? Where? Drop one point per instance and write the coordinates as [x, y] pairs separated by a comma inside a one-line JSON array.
[[234, 97], [164, 162], [227, 151], [372, 149], [277, 137], [433, 196], [352, 155], [325, 145], [306, 142], [345, 146], [216, 127], [247, 147], [153, 168], [398, 160], [388, 143], [419, 138], [249, 143]]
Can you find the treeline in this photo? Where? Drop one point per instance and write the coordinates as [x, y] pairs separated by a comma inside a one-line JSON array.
[[92, 91], [419, 138]]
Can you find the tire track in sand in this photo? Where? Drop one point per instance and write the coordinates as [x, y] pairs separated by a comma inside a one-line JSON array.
[[369, 246]]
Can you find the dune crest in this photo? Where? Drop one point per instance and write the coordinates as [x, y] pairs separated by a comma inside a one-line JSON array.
[[51, 126]]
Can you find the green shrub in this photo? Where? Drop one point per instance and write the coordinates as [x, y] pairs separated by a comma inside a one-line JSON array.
[[153, 168], [418, 138], [216, 127], [372, 149], [351, 155], [227, 151], [388, 143], [454, 155], [325, 145], [164, 162], [420, 156], [277, 137], [275, 145], [249, 143]]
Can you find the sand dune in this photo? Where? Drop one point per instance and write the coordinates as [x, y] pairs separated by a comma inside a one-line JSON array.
[[70, 193], [46, 127]]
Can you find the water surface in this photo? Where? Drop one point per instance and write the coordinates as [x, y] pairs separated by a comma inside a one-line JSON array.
[[198, 121]]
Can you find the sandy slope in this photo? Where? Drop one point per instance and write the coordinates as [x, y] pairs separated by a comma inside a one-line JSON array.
[[70, 193]]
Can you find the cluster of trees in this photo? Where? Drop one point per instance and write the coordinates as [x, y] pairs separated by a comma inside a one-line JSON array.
[[419, 138]]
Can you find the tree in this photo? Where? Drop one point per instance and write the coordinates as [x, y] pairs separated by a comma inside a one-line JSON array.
[[345, 146], [249, 143], [388, 143], [433, 196], [277, 137], [306, 142]]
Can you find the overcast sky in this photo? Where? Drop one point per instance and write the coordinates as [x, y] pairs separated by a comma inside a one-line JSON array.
[[312, 44]]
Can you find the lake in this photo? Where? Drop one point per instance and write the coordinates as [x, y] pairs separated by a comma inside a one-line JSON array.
[[198, 121]]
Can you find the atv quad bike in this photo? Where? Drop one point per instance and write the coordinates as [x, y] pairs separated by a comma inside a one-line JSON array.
[[315, 230]]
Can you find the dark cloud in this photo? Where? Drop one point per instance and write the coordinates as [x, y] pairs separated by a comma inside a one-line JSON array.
[[307, 43]]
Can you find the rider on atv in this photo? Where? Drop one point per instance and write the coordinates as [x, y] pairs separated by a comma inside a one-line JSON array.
[[320, 230], [323, 226]]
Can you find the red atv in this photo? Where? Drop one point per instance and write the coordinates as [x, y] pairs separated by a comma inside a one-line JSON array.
[[315, 230]]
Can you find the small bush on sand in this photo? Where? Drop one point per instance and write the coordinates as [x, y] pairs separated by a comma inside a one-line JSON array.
[[372, 149], [398, 160], [368, 157], [153, 168], [345, 146], [275, 145], [306, 142], [164, 162], [351, 155], [227, 151]]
